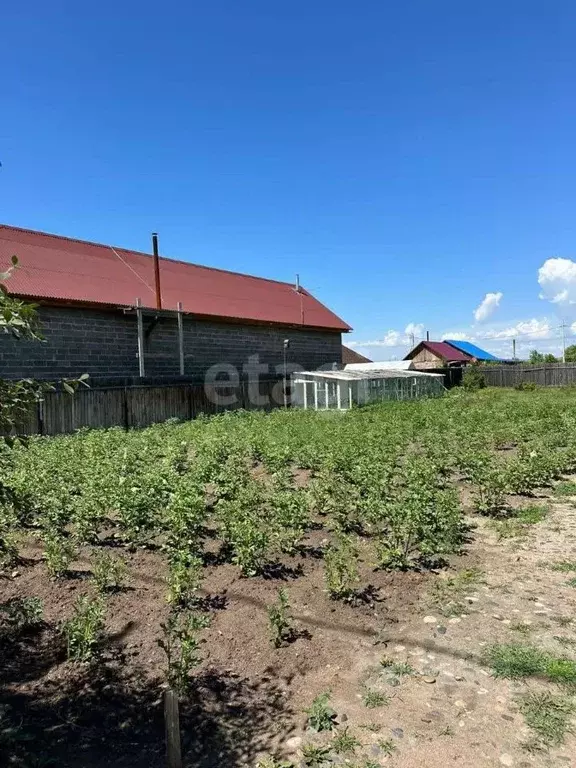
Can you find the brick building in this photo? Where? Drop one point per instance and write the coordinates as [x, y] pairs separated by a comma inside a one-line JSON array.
[[88, 296]]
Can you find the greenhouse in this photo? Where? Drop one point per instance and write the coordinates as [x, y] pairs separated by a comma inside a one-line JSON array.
[[341, 390]]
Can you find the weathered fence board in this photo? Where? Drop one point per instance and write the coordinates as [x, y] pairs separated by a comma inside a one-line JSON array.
[[139, 406], [544, 375]]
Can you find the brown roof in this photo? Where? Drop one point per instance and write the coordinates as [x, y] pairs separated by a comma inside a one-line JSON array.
[[351, 356], [55, 267], [441, 349]]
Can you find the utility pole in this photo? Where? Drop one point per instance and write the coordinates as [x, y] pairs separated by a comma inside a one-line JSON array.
[[513, 349], [412, 341], [563, 342]]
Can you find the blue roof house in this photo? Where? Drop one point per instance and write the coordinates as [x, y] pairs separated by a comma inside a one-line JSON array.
[[471, 349]]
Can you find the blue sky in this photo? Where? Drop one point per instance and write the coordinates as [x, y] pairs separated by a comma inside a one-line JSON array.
[[405, 158]]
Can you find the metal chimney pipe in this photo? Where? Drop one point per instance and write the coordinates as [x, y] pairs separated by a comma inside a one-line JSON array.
[[427, 335], [156, 270]]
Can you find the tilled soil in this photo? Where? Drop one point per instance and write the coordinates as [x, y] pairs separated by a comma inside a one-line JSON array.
[[249, 697]]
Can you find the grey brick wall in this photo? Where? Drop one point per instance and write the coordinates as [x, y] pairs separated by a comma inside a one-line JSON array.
[[104, 345]]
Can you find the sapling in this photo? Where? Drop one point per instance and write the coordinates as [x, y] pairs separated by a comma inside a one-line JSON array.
[[280, 620]]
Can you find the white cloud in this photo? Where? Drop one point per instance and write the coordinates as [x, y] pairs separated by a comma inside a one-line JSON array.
[[458, 336], [487, 306], [535, 329], [557, 279], [393, 338], [414, 328]]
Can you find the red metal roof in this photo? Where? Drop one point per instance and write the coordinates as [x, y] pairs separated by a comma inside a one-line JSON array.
[[55, 267], [441, 349]]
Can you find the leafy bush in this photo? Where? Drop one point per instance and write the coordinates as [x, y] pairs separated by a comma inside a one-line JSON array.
[[58, 553], [473, 379], [108, 572], [341, 567], [181, 644], [526, 386], [22, 612], [85, 629]]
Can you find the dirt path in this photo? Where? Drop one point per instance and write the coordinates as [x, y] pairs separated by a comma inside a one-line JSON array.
[[449, 709]]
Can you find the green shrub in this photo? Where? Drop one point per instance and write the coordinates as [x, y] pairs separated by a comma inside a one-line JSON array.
[[280, 620], [85, 629], [108, 572], [473, 379], [341, 567]]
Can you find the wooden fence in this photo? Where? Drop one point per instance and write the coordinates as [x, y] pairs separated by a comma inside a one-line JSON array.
[[139, 406], [544, 375]]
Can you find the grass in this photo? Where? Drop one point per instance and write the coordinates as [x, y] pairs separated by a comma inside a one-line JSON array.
[[565, 489], [387, 746], [571, 582], [344, 743], [398, 668], [548, 715], [564, 566], [518, 523], [516, 661], [448, 594], [372, 699]]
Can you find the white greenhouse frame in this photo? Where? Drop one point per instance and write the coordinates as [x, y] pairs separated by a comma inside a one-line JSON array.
[[340, 390]]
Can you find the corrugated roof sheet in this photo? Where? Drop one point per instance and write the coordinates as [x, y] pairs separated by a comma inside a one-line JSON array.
[[473, 350], [441, 349], [55, 267]]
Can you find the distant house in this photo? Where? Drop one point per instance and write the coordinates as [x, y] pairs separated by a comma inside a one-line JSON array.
[[480, 355], [351, 356], [428, 355]]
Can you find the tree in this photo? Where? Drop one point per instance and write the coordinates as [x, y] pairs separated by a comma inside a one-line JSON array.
[[20, 319], [570, 355], [538, 357]]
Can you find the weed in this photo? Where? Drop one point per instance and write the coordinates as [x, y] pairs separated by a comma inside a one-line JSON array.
[[446, 731], [448, 594], [518, 524], [571, 582], [181, 644], [321, 717], [548, 715], [371, 764], [344, 743], [387, 746], [398, 668], [108, 572], [372, 699], [315, 756], [84, 630], [271, 762], [22, 612], [280, 620]]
